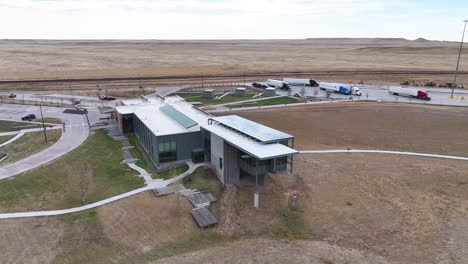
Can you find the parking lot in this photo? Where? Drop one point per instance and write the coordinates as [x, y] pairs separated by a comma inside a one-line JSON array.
[[440, 96]]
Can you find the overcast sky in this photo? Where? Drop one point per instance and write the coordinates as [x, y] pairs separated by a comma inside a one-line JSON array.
[[231, 19]]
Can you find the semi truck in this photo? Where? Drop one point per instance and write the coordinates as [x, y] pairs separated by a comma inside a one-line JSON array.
[[278, 84], [340, 88], [307, 82], [409, 92]]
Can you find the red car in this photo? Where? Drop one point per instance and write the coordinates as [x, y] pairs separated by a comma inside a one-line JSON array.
[[29, 117]]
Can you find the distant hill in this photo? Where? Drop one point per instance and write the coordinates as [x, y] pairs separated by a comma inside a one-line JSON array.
[[421, 40]]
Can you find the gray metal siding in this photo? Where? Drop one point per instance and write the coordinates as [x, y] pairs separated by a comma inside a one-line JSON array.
[[147, 139], [186, 143], [231, 164]]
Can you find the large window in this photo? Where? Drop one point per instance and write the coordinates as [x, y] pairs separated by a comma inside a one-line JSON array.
[[167, 149], [281, 164]]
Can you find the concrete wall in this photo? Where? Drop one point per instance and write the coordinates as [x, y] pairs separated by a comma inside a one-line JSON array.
[[231, 164], [217, 152]]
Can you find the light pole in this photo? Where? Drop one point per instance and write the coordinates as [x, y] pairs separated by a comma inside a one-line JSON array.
[[43, 125], [458, 61]]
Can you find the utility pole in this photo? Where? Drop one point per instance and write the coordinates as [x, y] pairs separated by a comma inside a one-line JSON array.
[[202, 85], [43, 125], [458, 61], [244, 80]]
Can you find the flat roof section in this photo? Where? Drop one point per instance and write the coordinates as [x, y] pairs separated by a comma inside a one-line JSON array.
[[177, 116], [252, 129]]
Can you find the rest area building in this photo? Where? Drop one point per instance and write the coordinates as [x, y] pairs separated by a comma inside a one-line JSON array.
[[173, 131]]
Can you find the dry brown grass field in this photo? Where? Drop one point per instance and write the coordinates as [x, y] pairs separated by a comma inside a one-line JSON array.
[[353, 208], [397, 127], [81, 59]]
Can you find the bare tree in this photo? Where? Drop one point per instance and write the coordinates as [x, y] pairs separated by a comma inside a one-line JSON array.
[[302, 92]]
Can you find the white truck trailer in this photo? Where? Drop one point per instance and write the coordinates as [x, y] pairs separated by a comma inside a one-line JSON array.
[[278, 84], [419, 94], [293, 81], [340, 88]]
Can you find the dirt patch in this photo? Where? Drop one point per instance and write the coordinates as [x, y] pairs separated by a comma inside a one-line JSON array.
[[227, 212], [77, 59], [29, 240], [371, 126], [143, 222], [406, 209], [273, 251]]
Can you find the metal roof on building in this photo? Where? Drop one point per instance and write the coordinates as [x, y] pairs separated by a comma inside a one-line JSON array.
[[250, 137], [252, 129], [177, 116]]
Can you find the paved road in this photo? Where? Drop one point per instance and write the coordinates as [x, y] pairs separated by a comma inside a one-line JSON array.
[[76, 132], [440, 96], [53, 98]]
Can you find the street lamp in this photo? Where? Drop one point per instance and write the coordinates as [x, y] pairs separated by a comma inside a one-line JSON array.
[[458, 61]]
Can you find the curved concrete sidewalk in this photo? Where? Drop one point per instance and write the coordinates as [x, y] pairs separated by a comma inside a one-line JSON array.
[[73, 210], [151, 185], [76, 132], [143, 173], [21, 133], [384, 152], [13, 139]]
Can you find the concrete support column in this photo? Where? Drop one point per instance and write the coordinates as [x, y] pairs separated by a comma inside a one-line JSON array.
[[256, 198]]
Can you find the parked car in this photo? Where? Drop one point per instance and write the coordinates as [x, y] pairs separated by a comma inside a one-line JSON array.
[[12, 96], [106, 98], [29, 117], [259, 85]]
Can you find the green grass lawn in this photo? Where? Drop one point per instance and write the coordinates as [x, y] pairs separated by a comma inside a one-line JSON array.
[[171, 173], [7, 126], [29, 144], [271, 101], [51, 120], [4, 139], [88, 174], [137, 152], [196, 97]]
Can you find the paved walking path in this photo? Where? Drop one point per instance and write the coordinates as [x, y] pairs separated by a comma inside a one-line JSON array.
[[192, 167], [29, 130], [384, 152], [76, 209], [13, 139], [75, 134], [153, 184], [21, 133], [143, 173]]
